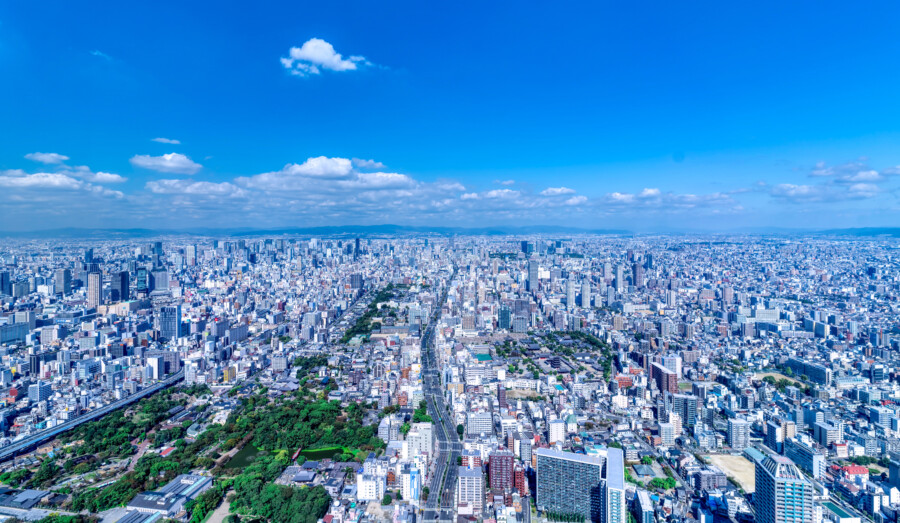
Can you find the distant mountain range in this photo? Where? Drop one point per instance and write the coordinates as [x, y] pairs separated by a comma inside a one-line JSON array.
[[407, 230]]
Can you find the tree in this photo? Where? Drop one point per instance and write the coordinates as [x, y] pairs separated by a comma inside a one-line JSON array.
[[460, 429], [386, 500]]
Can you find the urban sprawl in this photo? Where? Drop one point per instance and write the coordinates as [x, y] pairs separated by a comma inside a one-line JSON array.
[[619, 379]]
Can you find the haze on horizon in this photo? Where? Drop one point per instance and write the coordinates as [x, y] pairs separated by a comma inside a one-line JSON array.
[[708, 116]]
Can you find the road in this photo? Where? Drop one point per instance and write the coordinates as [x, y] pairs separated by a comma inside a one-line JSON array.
[[440, 505], [26, 444]]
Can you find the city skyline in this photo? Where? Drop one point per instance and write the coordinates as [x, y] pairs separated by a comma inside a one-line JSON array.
[[605, 118]]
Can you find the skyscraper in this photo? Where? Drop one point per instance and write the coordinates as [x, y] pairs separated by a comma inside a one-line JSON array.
[[142, 280], [169, 322], [119, 286], [620, 279], [586, 292], [570, 292], [783, 494], [63, 281], [95, 289], [5, 283], [533, 275], [592, 487]]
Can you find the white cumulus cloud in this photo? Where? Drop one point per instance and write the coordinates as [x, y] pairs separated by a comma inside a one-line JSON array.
[[47, 158], [166, 140], [168, 163], [316, 54], [557, 191]]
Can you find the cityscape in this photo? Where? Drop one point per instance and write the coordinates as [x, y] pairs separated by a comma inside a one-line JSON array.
[[474, 262], [441, 378]]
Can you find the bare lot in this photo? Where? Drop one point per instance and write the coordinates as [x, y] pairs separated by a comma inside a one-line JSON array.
[[737, 467]]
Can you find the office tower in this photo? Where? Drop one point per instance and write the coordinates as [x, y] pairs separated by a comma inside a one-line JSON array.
[[190, 253], [40, 391], [774, 436], [533, 275], [356, 281], [5, 283], [470, 491], [63, 281], [157, 248], [169, 322], [738, 433], [501, 396], [88, 256], [783, 494], [586, 292], [592, 487], [500, 469], [637, 272], [649, 259], [142, 280], [620, 279], [504, 318], [570, 292], [95, 289], [159, 280], [119, 286]]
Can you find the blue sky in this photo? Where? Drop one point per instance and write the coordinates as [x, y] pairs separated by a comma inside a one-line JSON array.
[[712, 115]]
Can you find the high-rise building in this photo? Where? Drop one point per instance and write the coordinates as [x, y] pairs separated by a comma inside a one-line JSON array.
[[88, 256], [470, 491], [570, 292], [501, 396], [783, 494], [40, 391], [643, 508], [94, 289], [169, 322], [119, 286], [592, 487], [504, 317], [620, 279], [666, 379], [637, 272], [63, 281], [738, 433], [500, 469], [5, 283], [142, 280], [686, 406], [586, 292], [533, 275]]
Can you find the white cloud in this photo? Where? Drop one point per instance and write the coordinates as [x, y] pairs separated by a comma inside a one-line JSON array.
[[557, 191], [47, 158], [317, 54], [469, 196], [501, 193], [166, 140], [195, 188], [40, 181], [576, 200], [650, 193], [168, 163], [505, 182], [101, 54], [367, 164], [621, 197], [102, 177]]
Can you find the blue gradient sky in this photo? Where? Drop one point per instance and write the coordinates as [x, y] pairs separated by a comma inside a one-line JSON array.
[[649, 117]]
